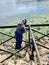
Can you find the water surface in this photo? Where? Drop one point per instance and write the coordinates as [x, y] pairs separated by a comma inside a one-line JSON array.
[[14, 7]]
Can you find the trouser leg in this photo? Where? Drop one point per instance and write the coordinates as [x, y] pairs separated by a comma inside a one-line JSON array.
[[18, 45]]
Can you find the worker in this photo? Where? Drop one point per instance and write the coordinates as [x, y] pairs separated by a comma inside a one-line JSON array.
[[20, 30]]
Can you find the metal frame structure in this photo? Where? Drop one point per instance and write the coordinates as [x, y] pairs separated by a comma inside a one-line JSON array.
[[28, 27]]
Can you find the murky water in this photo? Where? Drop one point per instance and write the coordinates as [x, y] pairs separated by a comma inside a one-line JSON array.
[[14, 7]]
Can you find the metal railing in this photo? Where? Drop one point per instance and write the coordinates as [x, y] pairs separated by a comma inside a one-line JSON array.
[[28, 27]]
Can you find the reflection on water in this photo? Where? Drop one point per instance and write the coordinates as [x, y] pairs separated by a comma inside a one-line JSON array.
[[13, 7]]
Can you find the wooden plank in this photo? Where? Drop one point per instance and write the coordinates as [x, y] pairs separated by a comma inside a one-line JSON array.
[[35, 46]]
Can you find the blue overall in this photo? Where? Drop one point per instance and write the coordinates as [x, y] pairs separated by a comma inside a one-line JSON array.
[[19, 35], [18, 38]]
